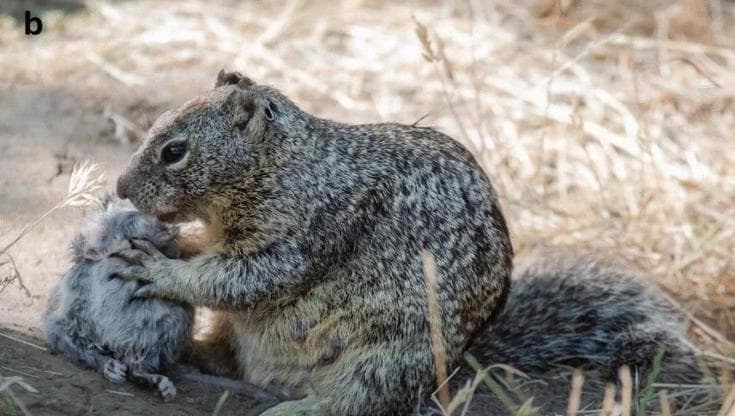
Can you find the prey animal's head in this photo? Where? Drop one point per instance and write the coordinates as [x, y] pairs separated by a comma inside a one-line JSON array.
[[110, 229], [193, 154]]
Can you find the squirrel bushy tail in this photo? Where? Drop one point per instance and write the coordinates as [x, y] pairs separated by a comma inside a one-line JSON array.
[[584, 312]]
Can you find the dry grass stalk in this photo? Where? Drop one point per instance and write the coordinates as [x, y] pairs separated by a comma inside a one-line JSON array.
[[437, 338], [728, 405], [493, 386], [665, 405], [526, 409], [626, 388], [708, 329], [608, 401], [575, 394], [220, 403], [7, 382], [5, 387], [463, 397], [434, 56], [18, 402], [726, 376], [30, 344], [120, 393]]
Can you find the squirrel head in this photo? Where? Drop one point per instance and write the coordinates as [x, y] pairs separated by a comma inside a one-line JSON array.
[[195, 155]]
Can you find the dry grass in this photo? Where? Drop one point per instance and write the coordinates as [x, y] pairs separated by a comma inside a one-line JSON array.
[[575, 393], [5, 388], [84, 184], [604, 124], [437, 337]]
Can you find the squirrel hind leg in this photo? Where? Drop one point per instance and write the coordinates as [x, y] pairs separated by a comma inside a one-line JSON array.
[[216, 352]]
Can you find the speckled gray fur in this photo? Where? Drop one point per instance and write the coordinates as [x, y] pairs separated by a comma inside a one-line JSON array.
[[92, 316]]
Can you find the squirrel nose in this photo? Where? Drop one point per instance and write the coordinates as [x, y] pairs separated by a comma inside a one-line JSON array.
[[122, 187]]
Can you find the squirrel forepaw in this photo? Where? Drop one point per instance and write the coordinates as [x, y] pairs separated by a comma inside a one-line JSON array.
[[145, 263]]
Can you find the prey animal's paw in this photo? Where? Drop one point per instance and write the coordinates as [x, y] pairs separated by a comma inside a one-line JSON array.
[[164, 385], [115, 371], [166, 388]]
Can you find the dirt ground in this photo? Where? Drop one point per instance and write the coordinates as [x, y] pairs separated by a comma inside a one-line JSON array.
[[607, 125], [65, 389]]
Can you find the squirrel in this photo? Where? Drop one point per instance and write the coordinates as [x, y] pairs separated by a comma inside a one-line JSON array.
[[92, 317], [315, 266]]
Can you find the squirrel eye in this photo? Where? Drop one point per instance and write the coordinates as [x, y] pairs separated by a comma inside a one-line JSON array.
[[173, 152]]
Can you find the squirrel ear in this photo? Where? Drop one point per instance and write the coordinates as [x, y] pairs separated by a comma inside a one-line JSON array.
[[232, 78], [243, 110], [247, 113]]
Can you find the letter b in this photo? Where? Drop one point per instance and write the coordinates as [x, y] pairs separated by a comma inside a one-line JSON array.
[[33, 21]]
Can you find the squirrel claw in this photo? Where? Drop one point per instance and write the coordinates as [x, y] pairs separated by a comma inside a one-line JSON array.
[[151, 290], [137, 273], [147, 248], [131, 256]]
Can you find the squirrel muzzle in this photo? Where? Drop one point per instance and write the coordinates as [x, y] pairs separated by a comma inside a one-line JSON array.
[[122, 187]]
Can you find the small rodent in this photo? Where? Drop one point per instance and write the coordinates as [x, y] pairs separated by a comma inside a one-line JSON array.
[[94, 319], [318, 230]]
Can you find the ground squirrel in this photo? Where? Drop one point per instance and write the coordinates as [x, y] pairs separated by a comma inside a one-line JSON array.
[[93, 317], [318, 230]]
